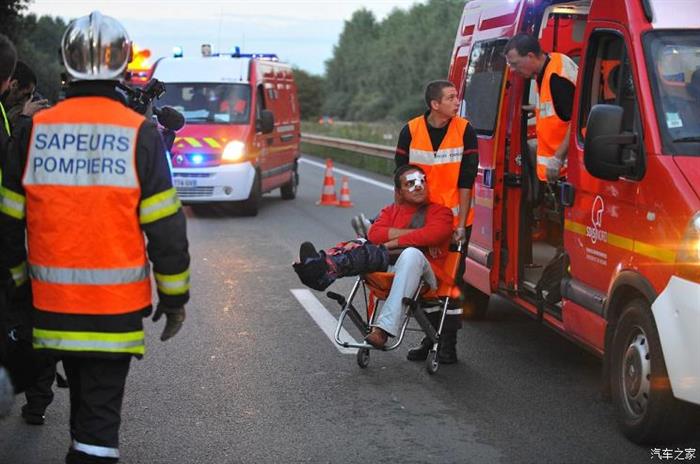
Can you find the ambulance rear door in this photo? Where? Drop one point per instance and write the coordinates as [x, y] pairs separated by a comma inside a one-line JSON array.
[[483, 99]]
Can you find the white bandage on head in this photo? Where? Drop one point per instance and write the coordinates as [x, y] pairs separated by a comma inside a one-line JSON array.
[[414, 180]]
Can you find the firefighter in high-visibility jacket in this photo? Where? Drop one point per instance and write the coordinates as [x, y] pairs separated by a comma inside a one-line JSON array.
[[445, 146], [88, 178], [555, 75]]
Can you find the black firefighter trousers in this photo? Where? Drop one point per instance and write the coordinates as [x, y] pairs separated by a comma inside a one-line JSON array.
[[96, 393]]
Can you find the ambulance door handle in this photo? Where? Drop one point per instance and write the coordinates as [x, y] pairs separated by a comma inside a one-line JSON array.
[[566, 194]]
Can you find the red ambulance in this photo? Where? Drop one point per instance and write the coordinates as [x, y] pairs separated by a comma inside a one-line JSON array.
[[241, 137], [623, 229]]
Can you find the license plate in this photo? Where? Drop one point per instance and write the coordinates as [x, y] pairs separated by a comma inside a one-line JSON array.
[[185, 182]]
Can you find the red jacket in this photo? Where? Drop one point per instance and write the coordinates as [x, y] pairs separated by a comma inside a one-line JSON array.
[[435, 233]]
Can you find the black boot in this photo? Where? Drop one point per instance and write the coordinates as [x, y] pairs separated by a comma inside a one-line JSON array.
[[420, 353], [447, 351]]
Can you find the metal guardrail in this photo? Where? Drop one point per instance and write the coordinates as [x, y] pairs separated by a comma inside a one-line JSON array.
[[372, 149]]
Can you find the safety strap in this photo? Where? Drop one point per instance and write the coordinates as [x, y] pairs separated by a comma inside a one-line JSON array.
[[418, 219]]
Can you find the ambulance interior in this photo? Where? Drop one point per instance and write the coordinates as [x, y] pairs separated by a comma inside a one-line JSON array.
[[540, 257]]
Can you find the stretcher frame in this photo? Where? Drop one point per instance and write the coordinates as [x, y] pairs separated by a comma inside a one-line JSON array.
[[422, 298]]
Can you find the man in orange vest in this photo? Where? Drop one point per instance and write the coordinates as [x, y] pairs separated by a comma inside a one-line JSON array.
[[87, 178], [555, 74], [445, 146]]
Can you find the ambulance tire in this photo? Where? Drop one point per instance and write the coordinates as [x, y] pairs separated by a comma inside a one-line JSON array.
[[289, 190], [251, 206], [646, 410]]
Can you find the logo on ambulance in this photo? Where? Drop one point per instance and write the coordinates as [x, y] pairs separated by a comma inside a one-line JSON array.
[[595, 233]]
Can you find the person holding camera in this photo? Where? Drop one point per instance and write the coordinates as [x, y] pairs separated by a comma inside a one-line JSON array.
[[19, 99], [86, 180]]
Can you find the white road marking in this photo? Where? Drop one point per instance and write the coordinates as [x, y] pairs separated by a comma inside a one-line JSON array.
[[323, 318], [350, 174]]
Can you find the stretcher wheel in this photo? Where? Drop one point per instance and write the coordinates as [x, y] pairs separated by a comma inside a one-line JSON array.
[[432, 363], [363, 357]]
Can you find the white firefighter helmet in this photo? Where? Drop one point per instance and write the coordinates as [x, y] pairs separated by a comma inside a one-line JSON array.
[[95, 47]]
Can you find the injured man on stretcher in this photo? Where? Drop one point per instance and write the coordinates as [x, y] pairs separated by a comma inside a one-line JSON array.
[[413, 226]]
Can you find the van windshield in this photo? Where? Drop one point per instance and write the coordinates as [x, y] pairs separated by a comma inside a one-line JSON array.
[[673, 60], [203, 103]]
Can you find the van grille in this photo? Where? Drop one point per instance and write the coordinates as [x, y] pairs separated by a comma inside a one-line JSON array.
[[195, 192]]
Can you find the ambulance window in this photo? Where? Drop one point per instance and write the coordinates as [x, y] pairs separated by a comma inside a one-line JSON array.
[[483, 84], [608, 79], [673, 61], [206, 103]]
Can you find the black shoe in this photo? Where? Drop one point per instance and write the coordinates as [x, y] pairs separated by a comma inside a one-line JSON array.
[[307, 251], [420, 353], [32, 418]]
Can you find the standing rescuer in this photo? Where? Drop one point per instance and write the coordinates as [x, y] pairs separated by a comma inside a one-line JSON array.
[[555, 74], [89, 177], [445, 146]]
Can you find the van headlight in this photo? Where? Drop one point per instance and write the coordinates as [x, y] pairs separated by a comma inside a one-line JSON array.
[[233, 152], [688, 257]]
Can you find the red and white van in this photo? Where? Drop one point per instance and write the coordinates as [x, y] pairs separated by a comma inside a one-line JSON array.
[[630, 234], [241, 137]]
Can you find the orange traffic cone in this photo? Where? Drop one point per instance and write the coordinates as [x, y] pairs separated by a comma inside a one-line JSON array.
[[328, 197], [345, 195]]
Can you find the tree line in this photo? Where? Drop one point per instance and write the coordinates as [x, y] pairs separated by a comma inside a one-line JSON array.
[[379, 68]]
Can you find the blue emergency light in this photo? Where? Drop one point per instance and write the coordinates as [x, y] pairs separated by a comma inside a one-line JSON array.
[[196, 159], [237, 54]]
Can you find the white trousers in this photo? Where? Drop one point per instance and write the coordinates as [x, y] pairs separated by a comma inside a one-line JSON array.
[[411, 266]]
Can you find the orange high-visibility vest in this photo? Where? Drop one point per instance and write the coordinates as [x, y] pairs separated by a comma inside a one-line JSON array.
[[442, 166], [87, 254], [550, 129]]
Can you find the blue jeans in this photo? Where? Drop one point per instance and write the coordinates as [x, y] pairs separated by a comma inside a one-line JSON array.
[[410, 268]]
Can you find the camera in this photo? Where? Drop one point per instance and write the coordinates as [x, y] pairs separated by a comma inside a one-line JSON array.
[[141, 98]]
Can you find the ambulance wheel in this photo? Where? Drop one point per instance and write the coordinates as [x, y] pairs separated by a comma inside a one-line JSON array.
[[251, 206], [289, 190], [432, 363], [363, 357], [645, 407]]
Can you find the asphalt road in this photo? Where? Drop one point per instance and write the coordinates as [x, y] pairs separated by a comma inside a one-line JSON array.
[[253, 379]]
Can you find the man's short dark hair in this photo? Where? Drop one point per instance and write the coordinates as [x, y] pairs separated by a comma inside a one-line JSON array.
[[8, 58], [433, 91], [23, 75], [523, 43], [401, 170]]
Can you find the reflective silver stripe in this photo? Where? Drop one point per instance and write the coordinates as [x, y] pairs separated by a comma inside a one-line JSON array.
[[569, 69], [85, 345], [12, 204], [64, 275], [455, 211], [94, 450], [158, 206], [449, 312], [82, 155], [444, 156], [546, 109], [547, 160]]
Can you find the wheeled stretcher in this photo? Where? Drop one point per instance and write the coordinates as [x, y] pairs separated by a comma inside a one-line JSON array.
[[375, 289]]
